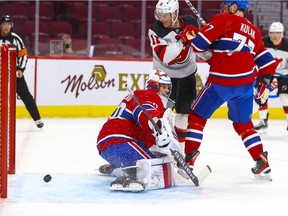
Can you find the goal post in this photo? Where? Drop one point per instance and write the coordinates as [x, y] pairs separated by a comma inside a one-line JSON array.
[[7, 114]]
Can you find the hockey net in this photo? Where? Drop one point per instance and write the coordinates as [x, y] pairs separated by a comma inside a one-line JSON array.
[[7, 113]]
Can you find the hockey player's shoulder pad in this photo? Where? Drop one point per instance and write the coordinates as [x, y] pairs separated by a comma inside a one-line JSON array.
[[146, 95], [189, 20], [221, 16], [267, 42], [158, 28], [284, 44]]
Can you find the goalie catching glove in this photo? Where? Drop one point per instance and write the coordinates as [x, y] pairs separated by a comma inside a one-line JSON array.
[[262, 90], [162, 138], [187, 34]]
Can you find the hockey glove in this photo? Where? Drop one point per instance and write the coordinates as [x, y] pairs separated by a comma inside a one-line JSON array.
[[163, 141], [187, 34], [152, 127], [162, 138], [262, 91]]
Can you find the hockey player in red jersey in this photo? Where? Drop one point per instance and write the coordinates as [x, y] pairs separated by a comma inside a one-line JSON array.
[[127, 136], [175, 57], [238, 56], [277, 44]]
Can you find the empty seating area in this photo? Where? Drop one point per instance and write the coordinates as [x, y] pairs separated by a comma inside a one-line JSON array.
[[113, 22], [209, 9]]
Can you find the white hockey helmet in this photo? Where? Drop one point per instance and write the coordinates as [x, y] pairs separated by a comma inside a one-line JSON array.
[[276, 27], [165, 7], [156, 79]]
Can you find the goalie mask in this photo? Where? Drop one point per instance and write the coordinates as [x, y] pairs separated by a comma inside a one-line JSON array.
[[160, 81], [165, 8]]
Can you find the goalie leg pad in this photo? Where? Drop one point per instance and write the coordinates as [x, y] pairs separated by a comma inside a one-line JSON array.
[[168, 124], [181, 120], [181, 133], [180, 126], [156, 173]]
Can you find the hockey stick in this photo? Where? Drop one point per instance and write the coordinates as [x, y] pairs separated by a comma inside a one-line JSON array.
[[177, 155], [281, 75], [190, 5], [144, 110]]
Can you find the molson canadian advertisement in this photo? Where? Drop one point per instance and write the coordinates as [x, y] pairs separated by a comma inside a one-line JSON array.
[[91, 87]]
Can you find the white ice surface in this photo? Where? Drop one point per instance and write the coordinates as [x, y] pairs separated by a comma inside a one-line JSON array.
[[65, 148]]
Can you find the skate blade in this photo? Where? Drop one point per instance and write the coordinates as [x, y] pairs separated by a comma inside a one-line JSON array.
[[132, 188], [263, 177]]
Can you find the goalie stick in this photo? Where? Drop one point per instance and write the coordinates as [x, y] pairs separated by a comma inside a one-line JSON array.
[[190, 5], [177, 155]]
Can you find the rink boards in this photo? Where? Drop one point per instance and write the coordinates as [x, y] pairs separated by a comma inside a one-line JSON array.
[[94, 87]]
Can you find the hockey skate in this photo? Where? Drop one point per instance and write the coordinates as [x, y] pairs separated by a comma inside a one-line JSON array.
[[261, 170], [263, 124], [39, 123], [190, 158], [127, 182], [107, 169]]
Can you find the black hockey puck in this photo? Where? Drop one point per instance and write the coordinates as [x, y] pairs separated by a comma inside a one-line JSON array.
[[47, 178]]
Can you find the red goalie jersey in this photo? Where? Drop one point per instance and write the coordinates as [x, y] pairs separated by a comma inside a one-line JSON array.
[[129, 122]]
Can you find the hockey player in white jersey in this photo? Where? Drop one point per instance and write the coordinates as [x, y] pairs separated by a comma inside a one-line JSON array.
[[175, 57], [277, 44]]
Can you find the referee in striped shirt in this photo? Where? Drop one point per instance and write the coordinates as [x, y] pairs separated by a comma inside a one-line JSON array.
[[9, 37]]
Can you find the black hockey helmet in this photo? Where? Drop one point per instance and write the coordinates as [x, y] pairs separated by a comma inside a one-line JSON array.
[[6, 18]]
